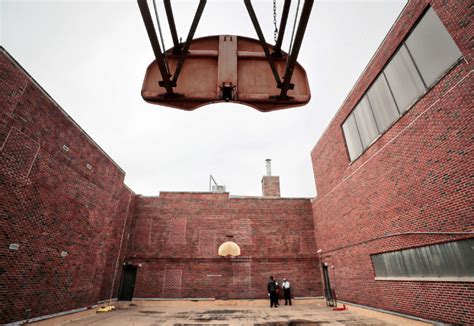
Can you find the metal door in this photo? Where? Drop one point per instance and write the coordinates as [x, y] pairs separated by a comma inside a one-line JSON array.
[[128, 283]]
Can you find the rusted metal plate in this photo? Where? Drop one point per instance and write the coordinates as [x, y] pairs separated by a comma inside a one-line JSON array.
[[226, 68]]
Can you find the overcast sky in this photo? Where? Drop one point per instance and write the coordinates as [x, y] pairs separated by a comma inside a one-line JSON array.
[[91, 56]]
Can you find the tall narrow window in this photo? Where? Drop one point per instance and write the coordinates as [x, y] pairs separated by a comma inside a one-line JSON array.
[[404, 80], [432, 48], [383, 106], [365, 122], [354, 146]]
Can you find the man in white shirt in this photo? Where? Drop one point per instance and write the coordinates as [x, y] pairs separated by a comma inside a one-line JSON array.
[[286, 291]]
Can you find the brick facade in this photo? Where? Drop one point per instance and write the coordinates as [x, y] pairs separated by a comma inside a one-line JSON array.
[[60, 193], [415, 178], [175, 238]]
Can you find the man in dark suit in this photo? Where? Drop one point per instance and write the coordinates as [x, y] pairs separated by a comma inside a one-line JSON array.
[[271, 287]]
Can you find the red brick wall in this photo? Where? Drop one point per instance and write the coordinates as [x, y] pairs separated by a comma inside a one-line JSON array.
[[414, 178], [176, 236], [52, 202]]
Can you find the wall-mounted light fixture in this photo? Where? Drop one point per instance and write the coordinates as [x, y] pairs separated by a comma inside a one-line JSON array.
[[13, 246]]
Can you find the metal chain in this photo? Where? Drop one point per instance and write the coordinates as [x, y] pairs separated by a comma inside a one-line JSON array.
[[275, 32]]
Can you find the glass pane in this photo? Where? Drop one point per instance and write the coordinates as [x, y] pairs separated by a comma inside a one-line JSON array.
[[413, 262], [404, 80], [379, 265], [352, 138], [394, 264], [365, 122], [466, 257], [456, 257], [382, 104], [432, 48]]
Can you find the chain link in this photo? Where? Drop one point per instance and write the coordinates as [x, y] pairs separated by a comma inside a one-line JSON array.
[[275, 32]]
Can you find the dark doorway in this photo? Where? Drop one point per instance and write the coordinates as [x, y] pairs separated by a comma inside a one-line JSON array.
[[128, 283]]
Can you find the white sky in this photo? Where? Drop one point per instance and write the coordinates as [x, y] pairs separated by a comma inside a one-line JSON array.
[[91, 56]]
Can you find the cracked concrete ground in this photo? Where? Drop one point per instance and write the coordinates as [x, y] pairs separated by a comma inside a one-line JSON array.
[[229, 312]]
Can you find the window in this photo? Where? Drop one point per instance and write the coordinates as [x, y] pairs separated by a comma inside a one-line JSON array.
[[354, 146], [404, 80], [454, 260], [365, 122], [427, 54], [432, 48], [383, 106]]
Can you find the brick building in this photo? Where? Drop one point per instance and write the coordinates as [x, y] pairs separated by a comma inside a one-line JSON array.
[[393, 172], [391, 226]]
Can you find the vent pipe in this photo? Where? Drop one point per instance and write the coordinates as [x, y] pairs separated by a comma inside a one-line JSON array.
[[269, 166]]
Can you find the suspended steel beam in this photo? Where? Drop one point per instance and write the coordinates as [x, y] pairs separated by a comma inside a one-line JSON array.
[[281, 30], [290, 66], [261, 38], [182, 57], [150, 28], [171, 23]]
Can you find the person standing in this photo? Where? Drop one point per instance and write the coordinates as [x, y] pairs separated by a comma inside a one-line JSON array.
[[277, 294], [286, 291], [271, 287]]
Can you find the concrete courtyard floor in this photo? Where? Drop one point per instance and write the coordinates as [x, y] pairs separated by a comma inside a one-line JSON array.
[[229, 312]]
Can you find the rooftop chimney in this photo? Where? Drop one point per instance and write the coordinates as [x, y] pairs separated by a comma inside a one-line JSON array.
[[270, 184]]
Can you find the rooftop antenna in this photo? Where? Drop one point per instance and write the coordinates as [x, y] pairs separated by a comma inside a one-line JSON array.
[[214, 186]]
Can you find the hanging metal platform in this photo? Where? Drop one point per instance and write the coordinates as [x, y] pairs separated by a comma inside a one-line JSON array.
[[226, 68]]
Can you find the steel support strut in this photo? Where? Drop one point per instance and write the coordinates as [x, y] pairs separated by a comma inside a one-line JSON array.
[[171, 23], [290, 65], [160, 61], [256, 25], [281, 30], [182, 57]]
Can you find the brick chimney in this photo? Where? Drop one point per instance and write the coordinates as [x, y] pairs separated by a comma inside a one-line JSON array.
[[270, 184]]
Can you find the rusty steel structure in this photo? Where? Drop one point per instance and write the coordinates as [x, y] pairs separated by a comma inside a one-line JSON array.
[[226, 67]]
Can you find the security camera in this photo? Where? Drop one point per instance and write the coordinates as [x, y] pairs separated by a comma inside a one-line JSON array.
[[319, 251]]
